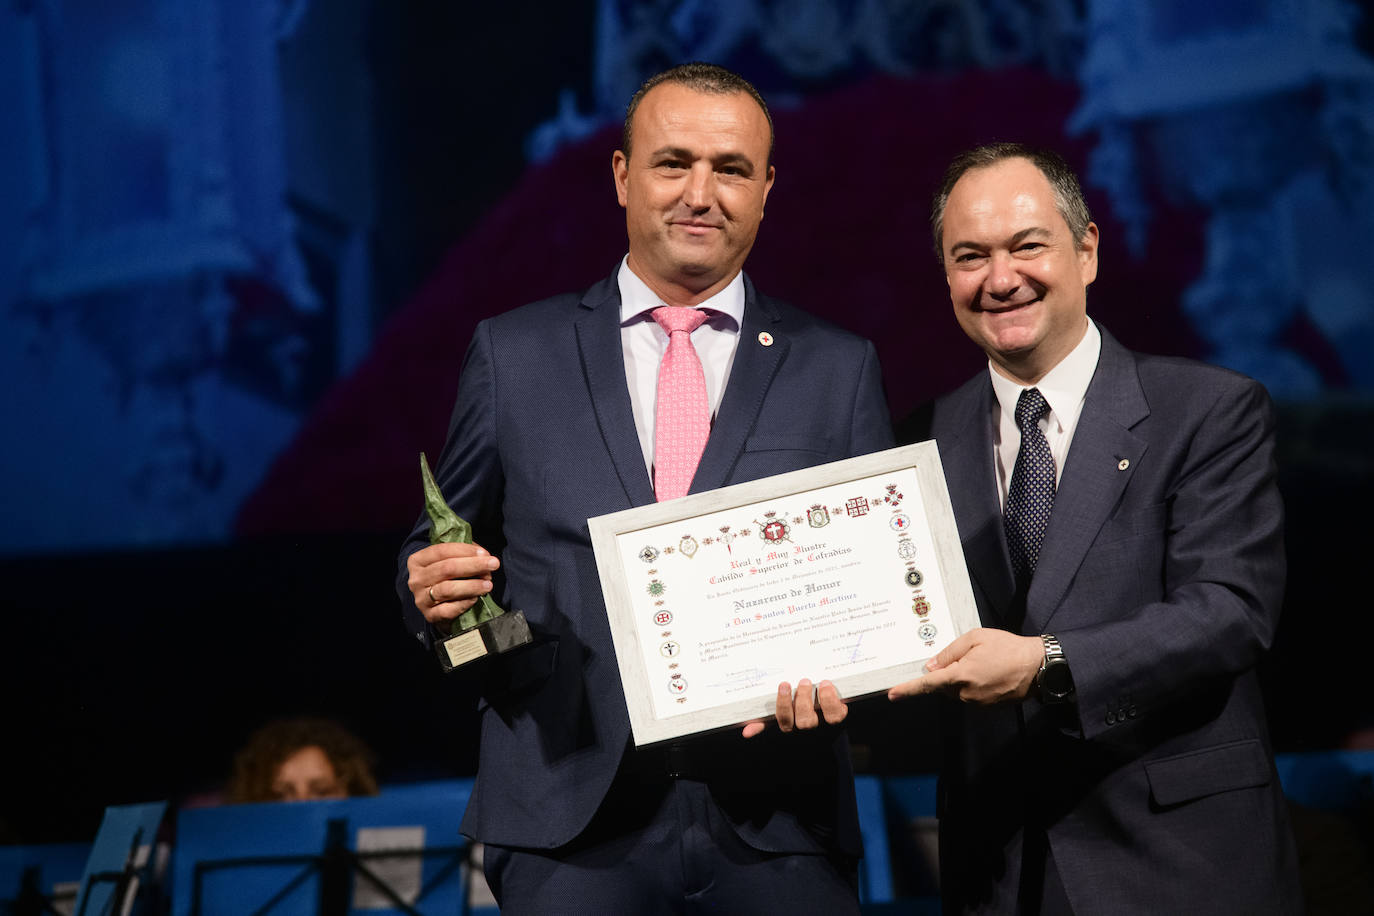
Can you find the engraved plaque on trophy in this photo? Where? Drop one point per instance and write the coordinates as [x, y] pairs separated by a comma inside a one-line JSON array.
[[485, 629]]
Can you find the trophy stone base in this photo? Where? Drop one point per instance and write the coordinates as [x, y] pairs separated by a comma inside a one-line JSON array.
[[490, 637]]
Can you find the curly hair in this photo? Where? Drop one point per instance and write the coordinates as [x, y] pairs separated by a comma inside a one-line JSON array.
[[256, 766]]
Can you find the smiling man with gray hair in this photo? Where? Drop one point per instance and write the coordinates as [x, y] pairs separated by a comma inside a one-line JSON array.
[[1121, 521]]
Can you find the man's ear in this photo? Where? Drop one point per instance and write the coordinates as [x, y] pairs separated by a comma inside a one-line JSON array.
[[1087, 254], [767, 186], [620, 173]]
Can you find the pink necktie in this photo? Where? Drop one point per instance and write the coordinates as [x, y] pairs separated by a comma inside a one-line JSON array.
[[682, 421]]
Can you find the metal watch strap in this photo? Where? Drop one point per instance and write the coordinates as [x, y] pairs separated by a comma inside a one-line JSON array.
[[1053, 650], [1056, 658]]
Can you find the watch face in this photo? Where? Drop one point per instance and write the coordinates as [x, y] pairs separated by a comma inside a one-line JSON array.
[[1057, 682]]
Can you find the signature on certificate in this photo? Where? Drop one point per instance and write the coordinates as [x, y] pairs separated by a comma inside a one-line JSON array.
[[747, 679]]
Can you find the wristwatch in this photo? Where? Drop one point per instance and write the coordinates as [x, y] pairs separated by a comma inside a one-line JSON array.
[[1054, 681]]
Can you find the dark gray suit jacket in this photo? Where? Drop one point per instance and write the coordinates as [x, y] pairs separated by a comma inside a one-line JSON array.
[[1162, 574], [543, 438]]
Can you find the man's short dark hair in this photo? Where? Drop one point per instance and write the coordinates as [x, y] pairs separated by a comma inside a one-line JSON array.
[[1068, 196], [699, 77]]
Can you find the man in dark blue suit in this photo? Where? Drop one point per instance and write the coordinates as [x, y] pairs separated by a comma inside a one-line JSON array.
[[555, 423], [1124, 535]]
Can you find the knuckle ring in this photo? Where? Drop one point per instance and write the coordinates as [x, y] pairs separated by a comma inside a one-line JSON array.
[[432, 599]]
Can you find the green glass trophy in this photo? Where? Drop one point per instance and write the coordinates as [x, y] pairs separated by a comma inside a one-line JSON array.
[[484, 629]]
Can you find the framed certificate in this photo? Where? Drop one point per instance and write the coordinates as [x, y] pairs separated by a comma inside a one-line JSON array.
[[850, 572]]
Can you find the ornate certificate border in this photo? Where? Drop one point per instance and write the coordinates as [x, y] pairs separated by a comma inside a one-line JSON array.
[[851, 571]]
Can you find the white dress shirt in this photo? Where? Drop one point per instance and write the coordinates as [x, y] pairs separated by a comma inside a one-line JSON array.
[[1063, 388], [644, 343]]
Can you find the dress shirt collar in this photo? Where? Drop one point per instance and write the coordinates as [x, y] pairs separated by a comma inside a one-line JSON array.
[[637, 300], [1063, 387]]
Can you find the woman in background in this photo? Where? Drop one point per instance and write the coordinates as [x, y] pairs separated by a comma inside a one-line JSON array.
[[302, 759]]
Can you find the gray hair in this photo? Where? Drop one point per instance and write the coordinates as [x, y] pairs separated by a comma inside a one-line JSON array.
[[1068, 196]]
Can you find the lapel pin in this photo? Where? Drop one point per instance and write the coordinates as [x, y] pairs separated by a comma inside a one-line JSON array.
[[765, 338], [1123, 464]]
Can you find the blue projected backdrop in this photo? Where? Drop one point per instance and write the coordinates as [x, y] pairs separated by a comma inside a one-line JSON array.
[[229, 306]]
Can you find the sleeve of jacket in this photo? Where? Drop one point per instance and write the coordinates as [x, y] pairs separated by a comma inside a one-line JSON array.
[[468, 471], [870, 428], [1219, 573]]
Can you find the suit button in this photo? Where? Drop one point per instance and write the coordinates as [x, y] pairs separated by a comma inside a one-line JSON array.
[[1111, 718], [1130, 713]]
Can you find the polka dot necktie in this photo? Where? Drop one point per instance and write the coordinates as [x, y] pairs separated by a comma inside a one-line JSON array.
[[682, 419], [1031, 495]]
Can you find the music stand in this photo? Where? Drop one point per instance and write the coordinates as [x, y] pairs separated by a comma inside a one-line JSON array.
[[120, 859], [400, 851], [41, 879]]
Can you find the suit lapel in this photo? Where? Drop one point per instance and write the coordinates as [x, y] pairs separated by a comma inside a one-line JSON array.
[[1093, 479], [753, 370], [603, 363], [964, 435]]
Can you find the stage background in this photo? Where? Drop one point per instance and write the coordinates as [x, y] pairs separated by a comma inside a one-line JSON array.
[[243, 246]]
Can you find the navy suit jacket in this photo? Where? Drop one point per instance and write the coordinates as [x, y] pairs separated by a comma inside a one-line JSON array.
[[1162, 574], [542, 438]]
